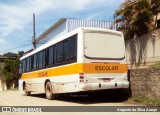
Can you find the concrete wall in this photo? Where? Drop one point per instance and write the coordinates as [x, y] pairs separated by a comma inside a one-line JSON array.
[[145, 82], [143, 50]]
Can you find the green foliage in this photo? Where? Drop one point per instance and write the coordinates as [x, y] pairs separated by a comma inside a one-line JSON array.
[[137, 19], [10, 70], [10, 54], [145, 100]]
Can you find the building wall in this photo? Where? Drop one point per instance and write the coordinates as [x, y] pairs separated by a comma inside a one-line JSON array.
[[56, 32], [143, 50], [70, 24]]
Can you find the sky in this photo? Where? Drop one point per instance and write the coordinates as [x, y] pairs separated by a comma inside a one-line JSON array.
[[16, 18]]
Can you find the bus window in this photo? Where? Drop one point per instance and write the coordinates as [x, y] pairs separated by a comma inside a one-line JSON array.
[[32, 58], [34, 61], [50, 56], [40, 60], [44, 58], [104, 46], [66, 50], [73, 48], [28, 64], [60, 52]]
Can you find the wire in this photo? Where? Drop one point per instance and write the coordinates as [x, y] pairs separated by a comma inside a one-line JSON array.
[[15, 48]]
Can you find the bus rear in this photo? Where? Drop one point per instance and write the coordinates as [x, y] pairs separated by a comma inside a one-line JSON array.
[[104, 63]]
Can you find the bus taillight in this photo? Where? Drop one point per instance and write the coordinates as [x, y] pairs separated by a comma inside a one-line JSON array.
[[81, 77]]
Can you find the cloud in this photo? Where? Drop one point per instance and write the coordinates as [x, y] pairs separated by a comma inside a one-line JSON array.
[[17, 15]]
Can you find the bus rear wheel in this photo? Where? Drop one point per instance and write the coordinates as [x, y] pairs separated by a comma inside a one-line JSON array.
[[49, 91]]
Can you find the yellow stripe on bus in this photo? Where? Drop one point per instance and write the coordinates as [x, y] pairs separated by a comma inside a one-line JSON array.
[[88, 68]]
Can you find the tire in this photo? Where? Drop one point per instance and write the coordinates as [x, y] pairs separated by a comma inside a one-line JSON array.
[[49, 91], [26, 93]]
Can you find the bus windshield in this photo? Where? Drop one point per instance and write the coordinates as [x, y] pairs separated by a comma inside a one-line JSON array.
[[104, 45]]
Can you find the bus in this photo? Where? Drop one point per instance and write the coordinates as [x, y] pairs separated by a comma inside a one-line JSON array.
[[84, 59]]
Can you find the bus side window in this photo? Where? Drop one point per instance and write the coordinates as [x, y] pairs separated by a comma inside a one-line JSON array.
[[40, 60], [34, 61], [46, 57], [43, 58], [73, 48], [29, 68], [50, 56], [59, 51], [27, 64], [66, 50], [37, 66]]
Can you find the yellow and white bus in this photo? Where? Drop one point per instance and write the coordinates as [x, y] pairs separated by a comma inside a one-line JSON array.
[[82, 60]]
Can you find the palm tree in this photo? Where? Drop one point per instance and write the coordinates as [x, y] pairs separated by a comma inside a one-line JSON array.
[[136, 18]]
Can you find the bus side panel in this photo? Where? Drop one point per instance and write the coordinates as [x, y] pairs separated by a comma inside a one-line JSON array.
[[61, 77]]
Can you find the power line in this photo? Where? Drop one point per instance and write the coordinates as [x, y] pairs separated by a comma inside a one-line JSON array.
[[15, 48]]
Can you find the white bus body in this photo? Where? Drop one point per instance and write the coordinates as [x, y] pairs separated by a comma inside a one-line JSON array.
[[82, 60]]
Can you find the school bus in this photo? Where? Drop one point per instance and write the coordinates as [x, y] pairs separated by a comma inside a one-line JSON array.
[[84, 59]]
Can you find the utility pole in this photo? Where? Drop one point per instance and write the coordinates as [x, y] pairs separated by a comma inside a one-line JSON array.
[[34, 34]]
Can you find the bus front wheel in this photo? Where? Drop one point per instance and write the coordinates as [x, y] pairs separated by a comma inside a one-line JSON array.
[[26, 93], [49, 91]]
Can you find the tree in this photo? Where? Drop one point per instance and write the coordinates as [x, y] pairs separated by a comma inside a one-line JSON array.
[[10, 71], [155, 8], [136, 18], [10, 54]]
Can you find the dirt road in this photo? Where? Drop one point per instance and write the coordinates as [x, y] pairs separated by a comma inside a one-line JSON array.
[[17, 98]]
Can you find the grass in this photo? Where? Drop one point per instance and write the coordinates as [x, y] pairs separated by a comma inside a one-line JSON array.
[[156, 65], [145, 100]]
